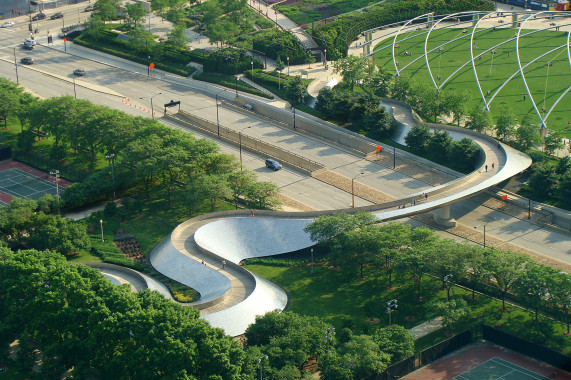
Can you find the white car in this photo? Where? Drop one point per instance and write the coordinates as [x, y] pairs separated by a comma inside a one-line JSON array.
[[8, 24], [30, 42]]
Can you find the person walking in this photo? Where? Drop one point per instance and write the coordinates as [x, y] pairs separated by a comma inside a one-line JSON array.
[[486, 168], [223, 264], [492, 165], [252, 212]]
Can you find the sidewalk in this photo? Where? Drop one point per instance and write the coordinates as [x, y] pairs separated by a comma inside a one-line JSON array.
[[426, 328]]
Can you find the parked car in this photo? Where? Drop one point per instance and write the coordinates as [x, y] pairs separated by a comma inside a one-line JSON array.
[[57, 15], [39, 16], [89, 8], [8, 24], [273, 164], [246, 106], [30, 42], [79, 72], [27, 60]]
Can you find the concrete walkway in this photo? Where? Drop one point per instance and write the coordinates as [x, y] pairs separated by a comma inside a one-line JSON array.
[[426, 328]]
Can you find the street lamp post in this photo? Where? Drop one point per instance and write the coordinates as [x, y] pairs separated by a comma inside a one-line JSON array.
[[287, 66], [325, 59], [101, 223], [312, 260], [264, 357], [217, 118], [476, 227], [353, 190], [391, 305], [293, 117], [16, 66], [328, 336], [240, 144], [55, 173], [74, 91], [252, 63], [447, 284], [111, 157], [152, 108]]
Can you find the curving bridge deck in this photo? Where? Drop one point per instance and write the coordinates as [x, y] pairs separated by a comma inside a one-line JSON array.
[[232, 297]]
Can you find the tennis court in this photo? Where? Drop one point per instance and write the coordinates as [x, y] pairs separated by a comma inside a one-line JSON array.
[[18, 183], [497, 368]]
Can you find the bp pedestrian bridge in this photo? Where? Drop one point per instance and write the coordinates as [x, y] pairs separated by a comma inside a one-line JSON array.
[[232, 297]]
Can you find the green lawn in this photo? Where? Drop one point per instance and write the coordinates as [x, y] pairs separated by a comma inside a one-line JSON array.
[[492, 69], [343, 299]]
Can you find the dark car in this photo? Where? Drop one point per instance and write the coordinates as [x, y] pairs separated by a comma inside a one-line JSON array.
[[27, 60], [79, 72], [39, 16], [273, 164], [89, 8], [28, 47], [57, 15]]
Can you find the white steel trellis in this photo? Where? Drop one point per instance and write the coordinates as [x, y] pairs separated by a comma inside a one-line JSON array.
[[486, 15]]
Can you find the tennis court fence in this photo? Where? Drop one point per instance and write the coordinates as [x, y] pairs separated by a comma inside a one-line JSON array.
[[44, 164], [466, 337]]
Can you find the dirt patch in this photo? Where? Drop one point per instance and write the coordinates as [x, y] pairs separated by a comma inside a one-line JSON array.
[[292, 205], [344, 183]]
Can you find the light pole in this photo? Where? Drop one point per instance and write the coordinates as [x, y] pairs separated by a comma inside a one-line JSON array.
[[111, 157], [16, 66], [447, 284], [476, 227], [312, 260], [152, 108], [328, 336], [353, 190], [276, 15], [240, 143], [55, 173], [287, 66], [101, 223], [293, 116], [391, 305], [264, 357], [252, 63], [217, 118], [74, 91], [325, 60]]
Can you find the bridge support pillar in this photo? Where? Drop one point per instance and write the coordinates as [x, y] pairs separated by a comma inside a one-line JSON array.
[[443, 218]]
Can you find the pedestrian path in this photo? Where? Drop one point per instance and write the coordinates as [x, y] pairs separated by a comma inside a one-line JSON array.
[[426, 328]]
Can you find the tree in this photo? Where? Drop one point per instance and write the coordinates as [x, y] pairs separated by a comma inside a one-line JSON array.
[[565, 188], [363, 356], [396, 341], [401, 88], [390, 240], [416, 260], [526, 136], [359, 246], [263, 195], [506, 268], [9, 100], [94, 27], [478, 119], [214, 189], [533, 286], [463, 153], [295, 90], [379, 82], [106, 10], [559, 288], [505, 123], [240, 181], [476, 258], [563, 166], [328, 227], [176, 37], [451, 311], [427, 100], [439, 144], [455, 102], [417, 138], [543, 180], [553, 142], [353, 70], [135, 13], [141, 40]]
